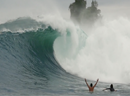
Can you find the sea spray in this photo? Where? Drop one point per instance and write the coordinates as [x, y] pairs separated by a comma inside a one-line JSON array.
[[104, 55]]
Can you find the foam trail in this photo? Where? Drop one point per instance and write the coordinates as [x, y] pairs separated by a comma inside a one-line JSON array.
[[105, 54]]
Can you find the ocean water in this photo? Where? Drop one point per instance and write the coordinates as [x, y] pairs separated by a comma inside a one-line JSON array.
[[52, 57]]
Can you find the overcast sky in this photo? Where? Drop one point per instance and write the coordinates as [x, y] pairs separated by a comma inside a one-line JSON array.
[[18, 8]]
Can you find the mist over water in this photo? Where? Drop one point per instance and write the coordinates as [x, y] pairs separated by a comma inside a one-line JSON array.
[[103, 53]]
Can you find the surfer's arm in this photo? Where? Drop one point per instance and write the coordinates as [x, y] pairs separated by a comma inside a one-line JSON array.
[[96, 83], [87, 83], [106, 89]]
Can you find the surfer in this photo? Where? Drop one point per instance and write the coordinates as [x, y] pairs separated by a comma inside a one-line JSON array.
[[111, 88], [91, 87]]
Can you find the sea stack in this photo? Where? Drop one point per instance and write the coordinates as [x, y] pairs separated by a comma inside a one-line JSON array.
[[80, 13]]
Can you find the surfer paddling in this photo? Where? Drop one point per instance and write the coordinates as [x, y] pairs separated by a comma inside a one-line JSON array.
[[91, 87], [111, 88]]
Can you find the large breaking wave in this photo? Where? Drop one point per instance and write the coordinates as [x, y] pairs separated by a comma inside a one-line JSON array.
[[46, 52]]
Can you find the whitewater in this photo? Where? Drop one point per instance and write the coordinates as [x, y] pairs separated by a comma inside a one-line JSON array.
[[51, 56], [103, 49]]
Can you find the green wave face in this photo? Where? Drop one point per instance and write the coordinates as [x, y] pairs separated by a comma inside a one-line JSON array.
[[27, 59]]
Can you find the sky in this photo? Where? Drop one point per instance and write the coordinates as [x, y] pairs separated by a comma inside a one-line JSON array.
[[11, 9]]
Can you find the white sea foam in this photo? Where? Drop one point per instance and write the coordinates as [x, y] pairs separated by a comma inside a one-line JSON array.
[[104, 53]]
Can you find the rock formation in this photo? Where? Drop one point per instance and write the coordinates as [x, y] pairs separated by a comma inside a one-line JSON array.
[[80, 13]]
